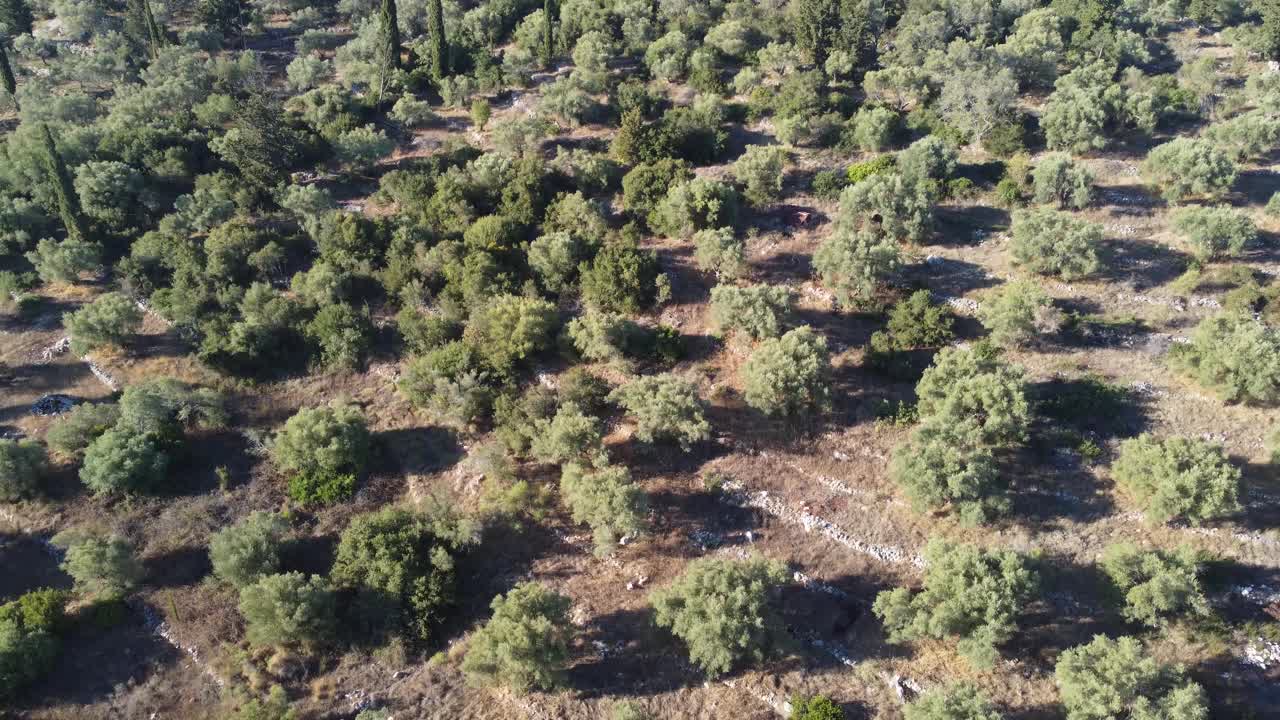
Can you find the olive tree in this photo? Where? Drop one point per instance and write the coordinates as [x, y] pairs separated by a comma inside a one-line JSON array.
[[948, 464], [1108, 679], [109, 320], [525, 644], [1059, 180], [65, 261], [1018, 312], [606, 500], [1157, 585], [976, 384], [756, 311], [101, 566], [1177, 478], [759, 170], [788, 375], [719, 250], [666, 407], [1234, 355], [248, 550], [126, 460], [898, 206], [399, 565], [929, 158], [853, 263], [693, 205], [289, 610], [720, 609], [962, 701], [323, 441], [22, 465], [1214, 232], [569, 435], [971, 594], [1185, 168], [1050, 242]]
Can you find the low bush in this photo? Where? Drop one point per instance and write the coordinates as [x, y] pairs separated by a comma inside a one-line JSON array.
[[525, 643], [248, 550], [1118, 678], [1214, 232], [1049, 242], [23, 464], [1156, 585], [1177, 478]]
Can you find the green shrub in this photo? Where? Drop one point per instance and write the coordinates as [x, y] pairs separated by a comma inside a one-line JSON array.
[[1177, 478], [1049, 242], [525, 644], [720, 609], [554, 258], [858, 172], [1156, 585], [1108, 679], [44, 609], [424, 332], [815, 707], [275, 706], [604, 337], [947, 464], [1059, 180], [719, 251], [648, 183], [23, 463], [342, 334], [929, 158], [1016, 313], [319, 489], [1186, 167], [109, 320], [569, 435], [323, 442], [1234, 355], [25, 656], [976, 384], [510, 329], [961, 701], [65, 261], [914, 323], [248, 550], [289, 609], [400, 565], [167, 405], [889, 204], [852, 264], [975, 595], [828, 184], [873, 128], [756, 311], [103, 567], [516, 419], [605, 499], [665, 407], [1214, 232], [693, 205], [759, 170], [788, 375], [123, 460], [621, 278]]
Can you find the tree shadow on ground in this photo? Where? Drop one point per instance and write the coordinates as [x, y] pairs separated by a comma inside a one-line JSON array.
[[179, 567], [95, 661], [1257, 186], [963, 225], [783, 266], [624, 654], [1141, 264], [416, 451], [29, 564], [944, 276], [1074, 607], [312, 554], [1241, 589]]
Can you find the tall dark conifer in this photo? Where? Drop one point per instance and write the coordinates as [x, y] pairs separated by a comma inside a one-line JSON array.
[[389, 50], [548, 34], [439, 46], [15, 18], [6, 75], [68, 201]]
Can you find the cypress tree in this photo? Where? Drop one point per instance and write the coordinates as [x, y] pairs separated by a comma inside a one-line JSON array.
[[547, 34], [15, 17], [68, 201], [390, 50], [6, 75], [438, 46], [141, 27]]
